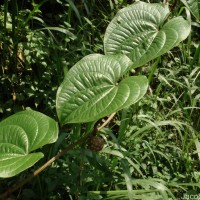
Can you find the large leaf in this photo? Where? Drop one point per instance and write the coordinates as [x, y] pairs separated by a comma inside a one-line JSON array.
[[92, 88], [20, 134], [140, 32], [194, 7]]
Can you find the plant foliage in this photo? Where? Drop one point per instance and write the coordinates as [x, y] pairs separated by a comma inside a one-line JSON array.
[[20, 134], [92, 89], [151, 146], [143, 32], [194, 7]]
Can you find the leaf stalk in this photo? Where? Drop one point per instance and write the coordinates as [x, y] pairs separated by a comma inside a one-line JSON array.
[[49, 162]]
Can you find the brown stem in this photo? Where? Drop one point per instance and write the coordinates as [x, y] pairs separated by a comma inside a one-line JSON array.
[[68, 148], [173, 5]]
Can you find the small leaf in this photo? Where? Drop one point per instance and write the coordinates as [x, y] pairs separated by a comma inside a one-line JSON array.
[[20, 134], [194, 7], [141, 32], [92, 88]]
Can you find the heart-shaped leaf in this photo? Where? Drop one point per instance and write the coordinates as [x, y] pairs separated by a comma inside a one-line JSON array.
[[20, 134], [140, 32], [92, 88]]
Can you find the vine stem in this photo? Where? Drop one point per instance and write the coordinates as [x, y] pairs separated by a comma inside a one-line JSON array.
[[64, 151]]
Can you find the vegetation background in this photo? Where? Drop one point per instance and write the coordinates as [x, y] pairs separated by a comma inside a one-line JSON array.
[[151, 147]]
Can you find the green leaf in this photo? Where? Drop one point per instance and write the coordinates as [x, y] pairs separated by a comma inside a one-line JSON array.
[[141, 32], [93, 88], [194, 7], [59, 29], [20, 134]]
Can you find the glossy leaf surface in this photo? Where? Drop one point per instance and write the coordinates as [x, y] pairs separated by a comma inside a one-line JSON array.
[[142, 32], [93, 88], [20, 134]]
